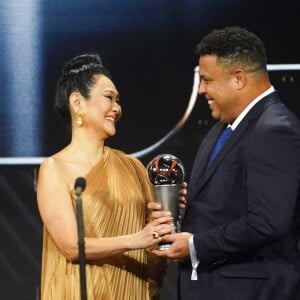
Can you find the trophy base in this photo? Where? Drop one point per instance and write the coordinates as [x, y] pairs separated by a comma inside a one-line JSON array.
[[164, 246]]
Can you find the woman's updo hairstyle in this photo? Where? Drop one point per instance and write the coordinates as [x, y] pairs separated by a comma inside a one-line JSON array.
[[78, 75]]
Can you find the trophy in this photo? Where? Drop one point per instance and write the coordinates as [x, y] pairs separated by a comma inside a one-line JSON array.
[[166, 173]]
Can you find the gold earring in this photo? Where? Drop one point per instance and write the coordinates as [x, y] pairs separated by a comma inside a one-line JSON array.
[[79, 120]]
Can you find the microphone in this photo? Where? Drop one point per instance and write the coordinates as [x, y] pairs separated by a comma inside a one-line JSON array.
[[79, 186]]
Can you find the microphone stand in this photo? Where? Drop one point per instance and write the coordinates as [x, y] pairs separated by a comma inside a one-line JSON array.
[[81, 246]]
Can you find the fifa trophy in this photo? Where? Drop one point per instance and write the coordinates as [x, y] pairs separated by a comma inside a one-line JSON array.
[[166, 173]]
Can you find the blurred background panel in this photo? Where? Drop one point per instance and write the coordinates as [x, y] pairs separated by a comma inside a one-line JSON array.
[[148, 46]]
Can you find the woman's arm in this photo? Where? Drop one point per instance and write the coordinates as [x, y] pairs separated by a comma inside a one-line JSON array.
[[58, 216]]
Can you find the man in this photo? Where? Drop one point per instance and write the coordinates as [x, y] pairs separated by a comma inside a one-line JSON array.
[[242, 218]]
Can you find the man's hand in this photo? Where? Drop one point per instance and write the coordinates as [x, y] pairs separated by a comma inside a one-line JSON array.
[[179, 249], [182, 195]]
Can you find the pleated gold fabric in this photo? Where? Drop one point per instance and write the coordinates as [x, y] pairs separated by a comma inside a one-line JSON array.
[[114, 203]]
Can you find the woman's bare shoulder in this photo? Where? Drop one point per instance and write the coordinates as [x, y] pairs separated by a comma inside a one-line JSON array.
[[58, 166], [53, 162]]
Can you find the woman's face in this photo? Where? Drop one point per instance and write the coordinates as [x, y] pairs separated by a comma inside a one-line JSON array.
[[102, 109]]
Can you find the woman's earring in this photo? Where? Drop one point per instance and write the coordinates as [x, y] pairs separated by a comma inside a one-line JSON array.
[[79, 120]]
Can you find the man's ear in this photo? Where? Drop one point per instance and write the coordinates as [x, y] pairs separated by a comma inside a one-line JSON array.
[[240, 78]]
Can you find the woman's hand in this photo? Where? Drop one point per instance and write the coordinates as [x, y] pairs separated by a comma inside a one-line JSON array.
[[152, 233], [162, 219]]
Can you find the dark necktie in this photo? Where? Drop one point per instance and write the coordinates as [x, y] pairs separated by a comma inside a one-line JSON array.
[[220, 142]]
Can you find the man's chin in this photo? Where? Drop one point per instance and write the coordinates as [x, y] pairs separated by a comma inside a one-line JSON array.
[[215, 115]]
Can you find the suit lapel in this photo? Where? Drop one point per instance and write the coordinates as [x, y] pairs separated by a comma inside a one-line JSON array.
[[226, 148], [202, 157]]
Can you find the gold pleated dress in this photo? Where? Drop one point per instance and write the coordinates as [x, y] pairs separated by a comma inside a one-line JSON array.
[[114, 203]]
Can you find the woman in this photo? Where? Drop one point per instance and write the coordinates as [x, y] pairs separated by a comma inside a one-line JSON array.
[[114, 203]]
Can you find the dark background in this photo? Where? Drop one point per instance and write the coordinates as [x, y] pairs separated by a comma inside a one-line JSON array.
[[148, 46]]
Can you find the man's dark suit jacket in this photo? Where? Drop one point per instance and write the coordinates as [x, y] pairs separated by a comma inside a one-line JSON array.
[[244, 210]]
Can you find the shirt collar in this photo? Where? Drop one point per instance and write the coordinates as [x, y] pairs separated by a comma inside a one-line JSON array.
[[241, 116]]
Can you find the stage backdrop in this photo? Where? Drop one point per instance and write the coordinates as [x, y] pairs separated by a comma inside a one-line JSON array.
[[148, 46]]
